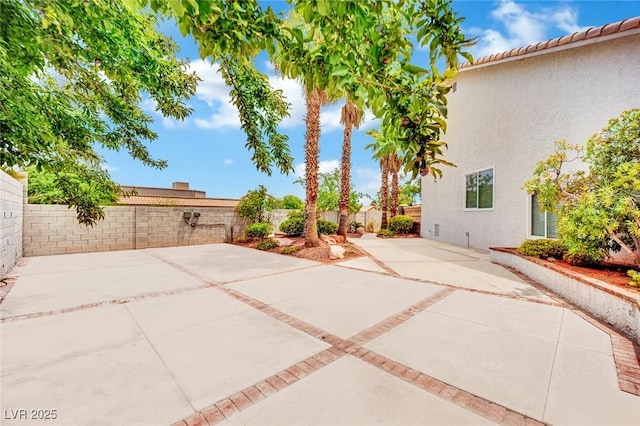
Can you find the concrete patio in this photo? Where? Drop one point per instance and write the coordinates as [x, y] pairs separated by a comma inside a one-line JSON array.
[[418, 333]]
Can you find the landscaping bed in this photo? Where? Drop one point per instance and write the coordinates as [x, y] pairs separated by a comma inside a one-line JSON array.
[[602, 291], [317, 254]]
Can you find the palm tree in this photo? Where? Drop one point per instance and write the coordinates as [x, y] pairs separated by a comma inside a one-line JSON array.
[[315, 98], [350, 117], [386, 152], [394, 165]]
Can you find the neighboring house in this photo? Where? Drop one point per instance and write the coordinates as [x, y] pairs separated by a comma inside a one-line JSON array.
[[505, 113], [179, 195]]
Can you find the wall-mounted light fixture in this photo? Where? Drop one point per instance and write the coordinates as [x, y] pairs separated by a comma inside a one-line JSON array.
[[191, 218]]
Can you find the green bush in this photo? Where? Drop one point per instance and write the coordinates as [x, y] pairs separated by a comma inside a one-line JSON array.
[[266, 244], [327, 227], [356, 225], [293, 226], [401, 224], [581, 259], [543, 248], [635, 278], [256, 205], [385, 233], [289, 250], [259, 230]]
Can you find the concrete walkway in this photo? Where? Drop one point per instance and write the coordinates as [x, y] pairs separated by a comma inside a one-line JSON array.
[[418, 333]]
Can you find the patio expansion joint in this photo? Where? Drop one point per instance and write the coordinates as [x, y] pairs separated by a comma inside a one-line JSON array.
[[155, 351], [553, 365]]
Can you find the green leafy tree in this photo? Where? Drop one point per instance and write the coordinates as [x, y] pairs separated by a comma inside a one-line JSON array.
[[257, 205], [291, 202], [599, 208], [329, 192], [72, 77], [47, 187], [410, 191]]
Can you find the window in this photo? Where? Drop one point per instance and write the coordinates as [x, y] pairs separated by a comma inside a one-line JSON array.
[[543, 224], [479, 189]]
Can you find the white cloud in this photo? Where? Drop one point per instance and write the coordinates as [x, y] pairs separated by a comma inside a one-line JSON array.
[[294, 94], [367, 180], [323, 167], [522, 27], [268, 65], [228, 161], [330, 118], [215, 93], [109, 168]]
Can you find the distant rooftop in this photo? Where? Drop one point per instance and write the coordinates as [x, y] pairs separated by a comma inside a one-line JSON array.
[[179, 195], [594, 34]]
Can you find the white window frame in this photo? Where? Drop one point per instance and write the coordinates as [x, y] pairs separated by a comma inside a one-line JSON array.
[[493, 192], [530, 236]]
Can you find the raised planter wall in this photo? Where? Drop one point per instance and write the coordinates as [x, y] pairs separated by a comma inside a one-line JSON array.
[[609, 303]]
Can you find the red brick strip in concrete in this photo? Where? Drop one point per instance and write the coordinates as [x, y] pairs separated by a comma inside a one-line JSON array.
[[626, 354], [457, 396], [106, 303], [626, 351], [240, 401], [6, 284], [397, 319]]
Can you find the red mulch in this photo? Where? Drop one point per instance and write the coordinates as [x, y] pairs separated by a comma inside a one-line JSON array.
[[609, 272]]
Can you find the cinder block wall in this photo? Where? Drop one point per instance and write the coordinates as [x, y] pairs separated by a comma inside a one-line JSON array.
[[53, 229], [280, 215], [12, 196]]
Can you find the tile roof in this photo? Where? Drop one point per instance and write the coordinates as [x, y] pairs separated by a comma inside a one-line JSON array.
[[138, 200], [591, 33]]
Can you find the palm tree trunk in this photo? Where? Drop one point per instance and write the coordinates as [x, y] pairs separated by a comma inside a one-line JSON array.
[[350, 117], [315, 98], [395, 192], [345, 183], [384, 195]]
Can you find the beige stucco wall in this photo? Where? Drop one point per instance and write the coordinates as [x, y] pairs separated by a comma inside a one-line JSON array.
[[12, 195], [508, 115], [53, 229]]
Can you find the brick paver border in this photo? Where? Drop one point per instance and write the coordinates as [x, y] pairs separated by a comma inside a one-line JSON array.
[[240, 401]]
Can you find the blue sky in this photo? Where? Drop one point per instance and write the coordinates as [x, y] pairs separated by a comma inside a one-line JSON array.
[[207, 149]]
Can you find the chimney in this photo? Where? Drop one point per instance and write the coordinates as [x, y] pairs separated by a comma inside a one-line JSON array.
[[180, 185]]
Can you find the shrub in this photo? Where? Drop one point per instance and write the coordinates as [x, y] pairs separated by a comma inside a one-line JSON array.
[[543, 248], [401, 224], [635, 278], [370, 226], [356, 225], [293, 226], [289, 250], [385, 233], [266, 244], [291, 202], [581, 259], [256, 205], [259, 230], [327, 227]]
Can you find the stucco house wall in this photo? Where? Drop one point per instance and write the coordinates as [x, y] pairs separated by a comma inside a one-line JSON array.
[[508, 113]]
